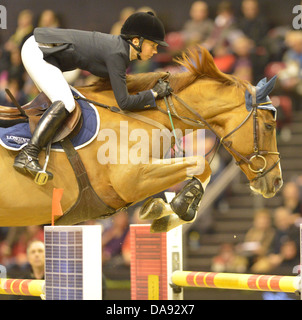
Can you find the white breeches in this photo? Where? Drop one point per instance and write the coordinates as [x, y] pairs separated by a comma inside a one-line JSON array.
[[46, 76]]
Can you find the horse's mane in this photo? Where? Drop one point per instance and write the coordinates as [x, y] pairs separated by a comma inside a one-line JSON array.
[[199, 63]]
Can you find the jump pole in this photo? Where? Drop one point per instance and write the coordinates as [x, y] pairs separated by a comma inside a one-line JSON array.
[[236, 281], [23, 287], [156, 270]]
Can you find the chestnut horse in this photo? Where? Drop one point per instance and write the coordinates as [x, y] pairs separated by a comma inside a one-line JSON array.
[[219, 99]]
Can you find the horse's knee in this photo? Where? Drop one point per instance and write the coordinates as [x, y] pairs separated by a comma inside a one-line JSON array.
[[205, 176]]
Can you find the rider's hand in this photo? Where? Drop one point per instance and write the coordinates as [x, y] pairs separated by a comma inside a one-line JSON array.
[[162, 89]]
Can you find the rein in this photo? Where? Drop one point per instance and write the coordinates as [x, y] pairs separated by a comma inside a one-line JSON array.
[[202, 123]]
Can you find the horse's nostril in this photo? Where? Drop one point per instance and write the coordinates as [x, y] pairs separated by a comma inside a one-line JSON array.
[[278, 183]]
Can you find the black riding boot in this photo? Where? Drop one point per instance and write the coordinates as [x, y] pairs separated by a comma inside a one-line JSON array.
[[27, 160], [186, 202]]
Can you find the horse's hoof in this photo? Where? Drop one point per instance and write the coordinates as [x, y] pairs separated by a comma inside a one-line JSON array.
[[154, 209], [167, 223], [160, 225], [186, 202]]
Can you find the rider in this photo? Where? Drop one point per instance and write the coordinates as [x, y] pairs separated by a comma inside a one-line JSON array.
[[51, 51]]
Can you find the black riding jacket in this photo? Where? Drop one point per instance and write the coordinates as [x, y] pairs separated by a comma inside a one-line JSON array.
[[101, 54]]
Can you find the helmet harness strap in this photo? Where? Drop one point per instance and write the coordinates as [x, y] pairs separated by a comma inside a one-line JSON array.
[[137, 48]]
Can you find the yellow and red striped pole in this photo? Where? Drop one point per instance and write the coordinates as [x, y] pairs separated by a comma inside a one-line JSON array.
[[236, 281], [24, 287]]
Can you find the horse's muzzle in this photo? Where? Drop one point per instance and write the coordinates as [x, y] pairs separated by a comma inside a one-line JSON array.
[[267, 185]]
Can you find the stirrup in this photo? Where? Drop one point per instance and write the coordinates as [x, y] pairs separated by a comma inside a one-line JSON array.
[[42, 176]]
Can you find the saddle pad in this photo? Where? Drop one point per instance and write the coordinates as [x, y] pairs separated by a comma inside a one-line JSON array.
[[17, 136]]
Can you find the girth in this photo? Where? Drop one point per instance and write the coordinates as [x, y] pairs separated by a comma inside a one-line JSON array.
[[89, 205]]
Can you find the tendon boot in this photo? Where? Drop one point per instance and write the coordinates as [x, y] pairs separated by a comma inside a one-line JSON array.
[[28, 158], [186, 202]]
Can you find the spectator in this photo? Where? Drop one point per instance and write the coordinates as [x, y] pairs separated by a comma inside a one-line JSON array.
[[24, 31], [114, 265], [291, 199], [291, 76], [224, 27], [16, 69], [282, 263], [200, 26], [14, 86], [48, 19], [15, 244], [124, 14], [113, 237], [259, 237], [36, 258], [293, 41], [285, 229], [4, 60], [253, 25], [243, 64], [228, 260], [35, 268]]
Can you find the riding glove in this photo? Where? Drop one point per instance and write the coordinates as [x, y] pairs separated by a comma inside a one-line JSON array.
[[162, 89]]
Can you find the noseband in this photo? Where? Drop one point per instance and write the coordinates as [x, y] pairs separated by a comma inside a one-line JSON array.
[[249, 159]]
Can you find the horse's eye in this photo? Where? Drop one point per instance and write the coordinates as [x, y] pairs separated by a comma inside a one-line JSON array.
[[269, 126]]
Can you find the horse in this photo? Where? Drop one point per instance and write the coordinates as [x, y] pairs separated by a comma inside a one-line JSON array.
[[216, 101]]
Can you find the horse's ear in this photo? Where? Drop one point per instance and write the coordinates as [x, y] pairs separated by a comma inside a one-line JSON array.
[[267, 88], [261, 83]]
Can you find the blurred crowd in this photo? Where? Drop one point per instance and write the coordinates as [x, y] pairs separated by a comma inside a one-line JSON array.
[[245, 45], [272, 244]]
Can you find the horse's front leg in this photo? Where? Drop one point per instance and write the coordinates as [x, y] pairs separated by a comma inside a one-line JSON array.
[[182, 209], [135, 182]]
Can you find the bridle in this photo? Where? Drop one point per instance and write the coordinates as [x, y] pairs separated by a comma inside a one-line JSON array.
[[201, 122]]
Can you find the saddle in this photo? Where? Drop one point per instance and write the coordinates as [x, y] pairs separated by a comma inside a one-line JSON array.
[[89, 205], [32, 112]]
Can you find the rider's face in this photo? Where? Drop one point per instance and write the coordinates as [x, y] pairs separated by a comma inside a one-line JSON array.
[[149, 48]]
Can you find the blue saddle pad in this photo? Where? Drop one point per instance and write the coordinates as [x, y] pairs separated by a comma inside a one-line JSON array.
[[15, 137]]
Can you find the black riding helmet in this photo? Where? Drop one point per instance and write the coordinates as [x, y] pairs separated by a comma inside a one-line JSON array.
[[144, 25]]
